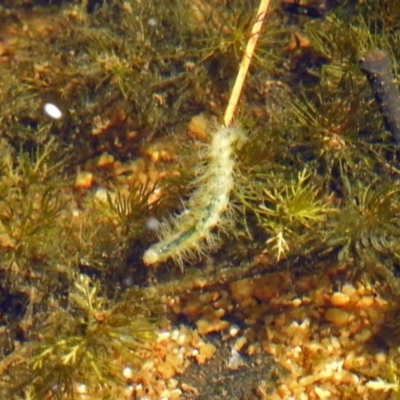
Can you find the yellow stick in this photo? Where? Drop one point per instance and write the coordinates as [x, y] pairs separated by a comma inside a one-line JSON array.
[[244, 65]]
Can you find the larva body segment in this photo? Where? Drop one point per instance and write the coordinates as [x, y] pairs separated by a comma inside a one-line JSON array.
[[188, 232]]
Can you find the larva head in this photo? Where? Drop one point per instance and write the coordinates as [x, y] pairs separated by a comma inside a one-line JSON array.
[[150, 256]]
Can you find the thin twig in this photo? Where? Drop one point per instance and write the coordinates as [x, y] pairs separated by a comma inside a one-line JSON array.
[[244, 65]]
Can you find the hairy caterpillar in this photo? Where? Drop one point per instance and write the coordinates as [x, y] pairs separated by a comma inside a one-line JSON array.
[[186, 233]]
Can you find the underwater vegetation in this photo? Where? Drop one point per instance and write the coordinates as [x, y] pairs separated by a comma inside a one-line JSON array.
[[80, 196]]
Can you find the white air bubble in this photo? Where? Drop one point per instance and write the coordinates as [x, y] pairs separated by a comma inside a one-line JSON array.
[[127, 373], [152, 224], [52, 111]]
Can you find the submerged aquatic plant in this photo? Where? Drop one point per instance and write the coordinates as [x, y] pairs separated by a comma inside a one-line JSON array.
[[367, 225], [88, 343], [290, 214], [316, 176]]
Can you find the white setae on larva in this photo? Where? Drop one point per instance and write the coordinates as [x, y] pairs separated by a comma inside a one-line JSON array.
[[190, 232]]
